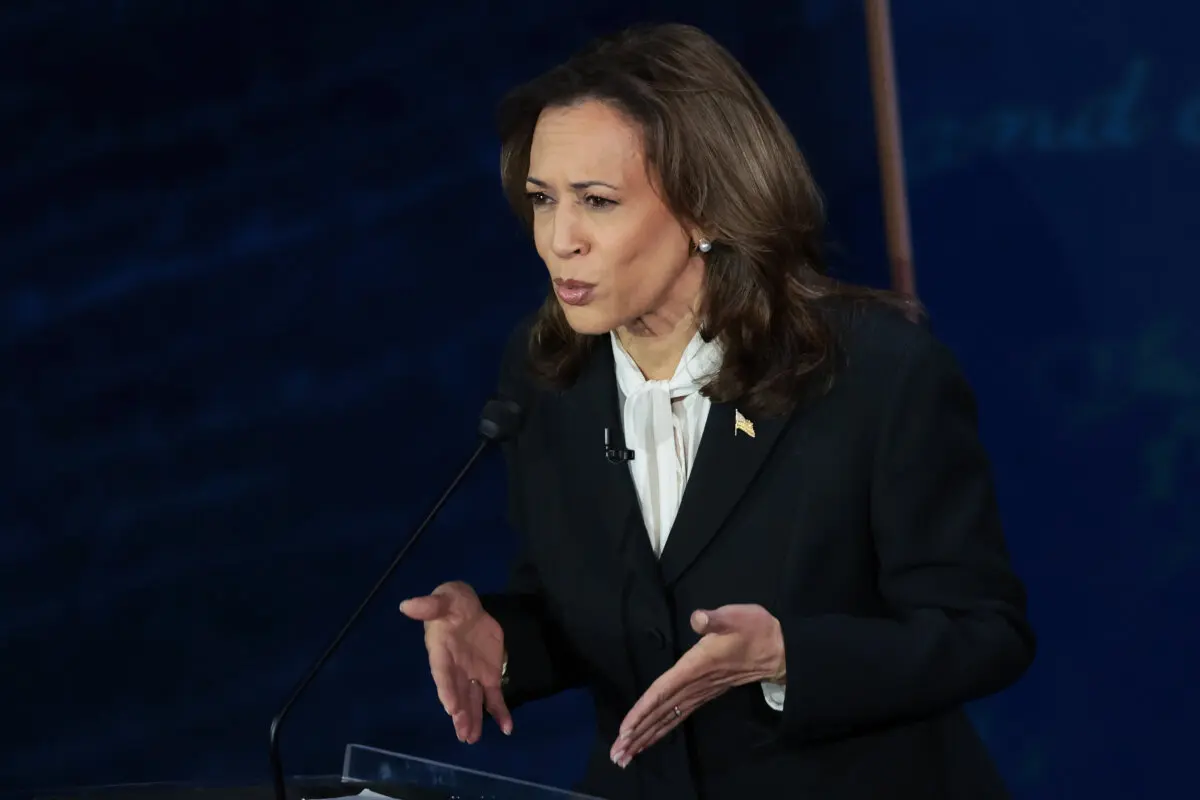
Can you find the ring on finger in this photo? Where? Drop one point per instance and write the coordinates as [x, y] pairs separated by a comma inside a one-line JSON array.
[[659, 729]]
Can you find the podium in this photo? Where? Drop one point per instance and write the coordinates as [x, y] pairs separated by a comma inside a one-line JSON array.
[[368, 767], [367, 772]]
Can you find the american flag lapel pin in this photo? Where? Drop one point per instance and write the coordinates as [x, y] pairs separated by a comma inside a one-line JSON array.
[[740, 423]]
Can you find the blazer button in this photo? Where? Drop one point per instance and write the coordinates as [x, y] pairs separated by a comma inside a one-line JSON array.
[[657, 637]]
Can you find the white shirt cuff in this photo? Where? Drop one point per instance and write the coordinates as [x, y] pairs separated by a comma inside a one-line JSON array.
[[774, 694]]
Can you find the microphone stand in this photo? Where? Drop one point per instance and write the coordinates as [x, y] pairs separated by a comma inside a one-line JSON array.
[[276, 724]]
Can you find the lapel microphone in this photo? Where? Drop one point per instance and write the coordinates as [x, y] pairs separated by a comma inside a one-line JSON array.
[[616, 455]]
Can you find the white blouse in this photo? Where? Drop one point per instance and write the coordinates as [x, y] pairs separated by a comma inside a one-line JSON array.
[[663, 422]]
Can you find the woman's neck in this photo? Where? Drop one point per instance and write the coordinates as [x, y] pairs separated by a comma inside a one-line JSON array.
[[656, 342]]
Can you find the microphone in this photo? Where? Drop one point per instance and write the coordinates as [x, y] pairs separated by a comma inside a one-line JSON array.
[[616, 455], [499, 421]]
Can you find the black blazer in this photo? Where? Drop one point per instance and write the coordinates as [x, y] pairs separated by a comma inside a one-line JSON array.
[[865, 521]]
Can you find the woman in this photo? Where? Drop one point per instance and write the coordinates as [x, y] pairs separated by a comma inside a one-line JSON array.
[[757, 522]]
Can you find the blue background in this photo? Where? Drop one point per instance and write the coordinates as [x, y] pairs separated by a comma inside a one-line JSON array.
[[255, 272]]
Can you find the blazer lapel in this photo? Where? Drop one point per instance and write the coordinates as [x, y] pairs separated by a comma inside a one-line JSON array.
[[608, 499], [726, 462]]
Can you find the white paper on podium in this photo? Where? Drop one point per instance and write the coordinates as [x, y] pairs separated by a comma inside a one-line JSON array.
[[365, 793]]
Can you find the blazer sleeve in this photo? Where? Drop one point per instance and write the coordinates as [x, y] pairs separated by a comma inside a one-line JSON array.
[[541, 661], [957, 629]]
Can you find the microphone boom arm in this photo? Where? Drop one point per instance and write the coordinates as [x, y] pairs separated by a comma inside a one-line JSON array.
[[277, 723]]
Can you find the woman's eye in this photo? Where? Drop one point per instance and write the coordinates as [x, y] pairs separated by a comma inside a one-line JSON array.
[[591, 200], [596, 201]]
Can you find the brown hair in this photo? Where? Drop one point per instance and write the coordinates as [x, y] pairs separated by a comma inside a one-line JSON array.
[[726, 163]]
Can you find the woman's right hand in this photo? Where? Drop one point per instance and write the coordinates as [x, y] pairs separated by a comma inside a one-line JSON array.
[[466, 652]]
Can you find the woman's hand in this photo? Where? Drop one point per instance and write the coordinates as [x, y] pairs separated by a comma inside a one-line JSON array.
[[739, 644], [466, 651]]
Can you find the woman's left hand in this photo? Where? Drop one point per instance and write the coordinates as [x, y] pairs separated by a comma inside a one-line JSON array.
[[739, 644]]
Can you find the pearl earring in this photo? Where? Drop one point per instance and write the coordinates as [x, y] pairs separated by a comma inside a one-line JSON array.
[[704, 245]]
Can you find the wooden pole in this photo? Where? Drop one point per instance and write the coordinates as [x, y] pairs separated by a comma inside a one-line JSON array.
[[890, 147]]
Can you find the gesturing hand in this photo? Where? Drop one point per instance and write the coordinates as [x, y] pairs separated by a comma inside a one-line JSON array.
[[466, 651], [739, 644]]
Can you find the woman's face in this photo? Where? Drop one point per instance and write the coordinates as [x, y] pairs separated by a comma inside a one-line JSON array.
[[615, 253]]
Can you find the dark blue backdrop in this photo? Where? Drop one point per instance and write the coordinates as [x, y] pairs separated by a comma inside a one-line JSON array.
[[237, 360]]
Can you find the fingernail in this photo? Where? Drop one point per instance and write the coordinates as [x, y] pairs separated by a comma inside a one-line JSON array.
[[624, 762], [616, 758], [507, 728], [701, 619]]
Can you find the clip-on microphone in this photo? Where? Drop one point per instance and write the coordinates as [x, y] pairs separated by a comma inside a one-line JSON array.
[[616, 455]]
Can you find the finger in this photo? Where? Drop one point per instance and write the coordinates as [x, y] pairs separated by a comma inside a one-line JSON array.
[[637, 739], [475, 728], [711, 621], [653, 733], [446, 678], [647, 714], [659, 721], [687, 670], [668, 685], [463, 716], [493, 699], [689, 697], [461, 724], [668, 723], [427, 608]]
